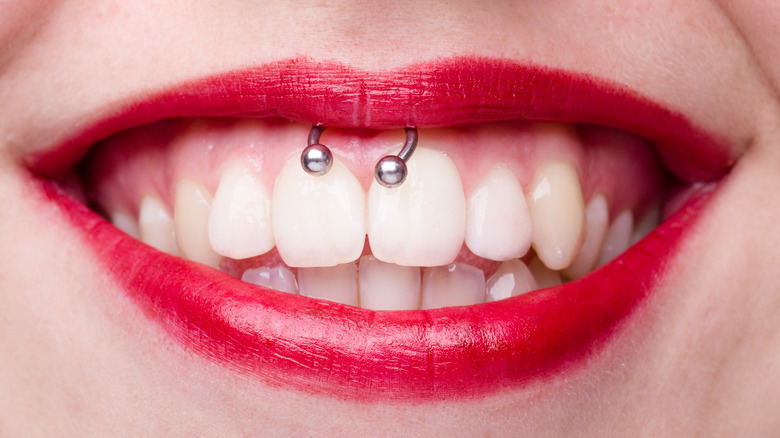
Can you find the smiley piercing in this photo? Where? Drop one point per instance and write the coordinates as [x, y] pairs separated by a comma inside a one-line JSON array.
[[390, 171]]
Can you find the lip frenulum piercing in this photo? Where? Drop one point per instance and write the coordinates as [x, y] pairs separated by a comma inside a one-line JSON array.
[[390, 170]]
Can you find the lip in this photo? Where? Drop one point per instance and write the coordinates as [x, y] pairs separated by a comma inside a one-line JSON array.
[[329, 348]]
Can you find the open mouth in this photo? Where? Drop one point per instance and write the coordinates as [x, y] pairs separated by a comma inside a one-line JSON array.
[[503, 257]]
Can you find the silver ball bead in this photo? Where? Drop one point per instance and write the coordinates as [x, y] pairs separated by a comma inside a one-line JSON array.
[[390, 171], [316, 159]]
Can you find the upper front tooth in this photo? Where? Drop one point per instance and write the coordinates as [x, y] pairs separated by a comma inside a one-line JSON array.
[[156, 225], [498, 224], [240, 219], [558, 214], [596, 223], [618, 237], [191, 217], [318, 220], [422, 222]]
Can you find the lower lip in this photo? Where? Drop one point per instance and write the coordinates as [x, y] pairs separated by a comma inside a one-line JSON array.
[[328, 348]]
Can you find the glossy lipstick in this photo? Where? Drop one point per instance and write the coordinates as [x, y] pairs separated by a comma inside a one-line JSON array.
[[330, 348]]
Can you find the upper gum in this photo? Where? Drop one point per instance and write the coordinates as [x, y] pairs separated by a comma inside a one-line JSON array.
[[202, 149]]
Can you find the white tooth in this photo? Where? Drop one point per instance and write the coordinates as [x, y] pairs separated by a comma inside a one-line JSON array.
[[544, 276], [647, 224], [457, 284], [498, 224], [240, 219], [318, 220], [191, 218], [156, 225], [277, 278], [557, 214], [422, 222], [334, 283], [385, 286], [596, 223], [618, 237], [511, 279], [126, 223]]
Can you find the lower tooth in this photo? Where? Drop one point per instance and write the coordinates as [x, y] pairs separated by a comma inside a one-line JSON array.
[[191, 218], [511, 279], [422, 222], [558, 214], [618, 237], [156, 226], [240, 219], [457, 284], [278, 278], [647, 224], [544, 276], [498, 224], [126, 223], [336, 283], [596, 223], [386, 286]]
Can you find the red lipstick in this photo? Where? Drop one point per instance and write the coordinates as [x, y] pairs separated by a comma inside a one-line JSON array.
[[330, 348]]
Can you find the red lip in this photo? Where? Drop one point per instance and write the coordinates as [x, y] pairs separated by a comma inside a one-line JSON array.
[[329, 348]]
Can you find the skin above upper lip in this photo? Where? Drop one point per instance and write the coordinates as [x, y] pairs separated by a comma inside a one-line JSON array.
[[326, 347]]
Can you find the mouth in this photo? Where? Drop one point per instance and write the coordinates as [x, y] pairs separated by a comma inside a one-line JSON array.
[[526, 234]]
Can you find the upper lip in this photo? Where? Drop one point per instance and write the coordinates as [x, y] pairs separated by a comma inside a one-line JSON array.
[[328, 346]]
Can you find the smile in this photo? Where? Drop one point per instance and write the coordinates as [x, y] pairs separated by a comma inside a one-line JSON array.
[[475, 274]]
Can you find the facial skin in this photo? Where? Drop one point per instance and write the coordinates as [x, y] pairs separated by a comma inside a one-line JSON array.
[[80, 359]]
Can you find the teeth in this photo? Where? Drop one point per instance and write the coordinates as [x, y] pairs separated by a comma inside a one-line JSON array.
[[544, 276], [156, 226], [240, 219], [278, 278], [336, 283], [318, 220], [498, 224], [422, 222], [385, 286], [191, 219], [457, 284], [647, 224], [596, 223], [511, 279], [557, 212], [618, 237], [126, 223]]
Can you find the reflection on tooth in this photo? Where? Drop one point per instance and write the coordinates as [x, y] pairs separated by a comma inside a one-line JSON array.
[[557, 213], [126, 223], [318, 220], [386, 286], [618, 237], [156, 225], [544, 276], [511, 279], [191, 218], [240, 219], [647, 224], [498, 224], [596, 223], [422, 222], [335, 283], [457, 284], [277, 278]]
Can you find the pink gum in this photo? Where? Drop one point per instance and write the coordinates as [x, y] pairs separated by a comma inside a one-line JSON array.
[[150, 159]]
